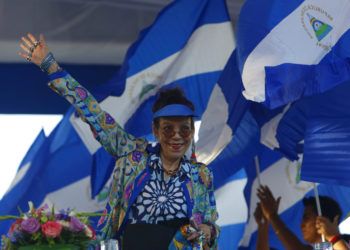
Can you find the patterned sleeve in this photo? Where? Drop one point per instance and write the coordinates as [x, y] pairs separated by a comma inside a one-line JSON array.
[[209, 204], [213, 214], [108, 132]]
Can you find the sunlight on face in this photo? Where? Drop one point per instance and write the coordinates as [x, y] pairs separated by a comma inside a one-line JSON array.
[[174, 135]]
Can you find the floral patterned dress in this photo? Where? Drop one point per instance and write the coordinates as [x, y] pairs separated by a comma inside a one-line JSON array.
[[139, 192]]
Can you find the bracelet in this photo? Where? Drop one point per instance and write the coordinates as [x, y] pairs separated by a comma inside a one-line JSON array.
[[335, 239], [47, 62]]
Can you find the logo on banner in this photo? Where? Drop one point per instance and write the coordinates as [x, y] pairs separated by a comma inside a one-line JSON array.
[[144, 86], [293, 175], [316, 22]]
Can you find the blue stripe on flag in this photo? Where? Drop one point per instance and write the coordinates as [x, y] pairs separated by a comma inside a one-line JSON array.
[[327, 146], [33, 150], [230, 236], [169, 34]]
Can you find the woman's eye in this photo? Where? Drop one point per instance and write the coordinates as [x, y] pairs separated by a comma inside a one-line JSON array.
[[185, 128], [167, 128]]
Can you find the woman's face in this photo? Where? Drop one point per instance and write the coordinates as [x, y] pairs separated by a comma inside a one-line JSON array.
[[308, 226], [174, 135]]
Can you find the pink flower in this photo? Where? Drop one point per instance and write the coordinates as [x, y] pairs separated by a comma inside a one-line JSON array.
[[51, 229]]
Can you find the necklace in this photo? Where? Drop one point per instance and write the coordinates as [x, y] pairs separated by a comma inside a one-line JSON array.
[[171, 172]]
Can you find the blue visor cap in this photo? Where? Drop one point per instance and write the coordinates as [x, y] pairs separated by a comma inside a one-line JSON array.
[[174, 110]]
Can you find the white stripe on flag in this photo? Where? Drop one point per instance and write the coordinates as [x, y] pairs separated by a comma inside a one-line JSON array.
[[281, 178], [231, 204], [269, 130], [207, 50], [293, 41], [19, 175], [214, 133], [76, 196]]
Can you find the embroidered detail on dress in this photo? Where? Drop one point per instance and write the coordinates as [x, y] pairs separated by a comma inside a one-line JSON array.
[[81, 93]]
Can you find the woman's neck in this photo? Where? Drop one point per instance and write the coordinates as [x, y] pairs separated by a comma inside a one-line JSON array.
[[170, 164]]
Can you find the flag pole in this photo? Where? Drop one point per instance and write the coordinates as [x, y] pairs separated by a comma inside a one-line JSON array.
[[318, 205], [257, 168]]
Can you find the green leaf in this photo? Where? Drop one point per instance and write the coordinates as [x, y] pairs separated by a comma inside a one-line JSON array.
[[20, 211], [43, 219], [9, 217]]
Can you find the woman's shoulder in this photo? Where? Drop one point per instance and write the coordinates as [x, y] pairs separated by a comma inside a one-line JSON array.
[[201, 167], [204, 173]]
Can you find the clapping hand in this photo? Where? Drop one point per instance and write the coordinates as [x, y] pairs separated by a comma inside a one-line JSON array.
[[269, 205], [259, 216]]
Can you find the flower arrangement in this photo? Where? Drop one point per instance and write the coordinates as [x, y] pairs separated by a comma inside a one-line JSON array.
[[42, 228]]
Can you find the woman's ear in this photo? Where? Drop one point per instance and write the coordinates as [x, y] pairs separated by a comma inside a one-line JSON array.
[[155, 131], [336, 220]]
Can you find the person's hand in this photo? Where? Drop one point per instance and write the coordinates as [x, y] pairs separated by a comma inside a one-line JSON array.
[[202, 229], [259, 216], [327, 228], [269, 205], [32, 49]]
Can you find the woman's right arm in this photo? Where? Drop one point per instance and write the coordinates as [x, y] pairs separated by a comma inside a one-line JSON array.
[[109, 133], [111, 136]]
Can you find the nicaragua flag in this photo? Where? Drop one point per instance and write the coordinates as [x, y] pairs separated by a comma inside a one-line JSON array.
[[300, 49], [239, 127], [318, 127], [281, 175], [188, 45], [283, 129], [287, 50], [55, 171], [225, 112]]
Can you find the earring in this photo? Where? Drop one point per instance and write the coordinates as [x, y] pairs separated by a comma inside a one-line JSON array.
[[193, 154]]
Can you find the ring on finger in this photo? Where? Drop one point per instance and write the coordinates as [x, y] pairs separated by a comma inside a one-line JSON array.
[[31, 49], [36, 44], [29, 57]]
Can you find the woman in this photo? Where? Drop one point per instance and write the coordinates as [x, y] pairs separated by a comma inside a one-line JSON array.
[[159, 199]]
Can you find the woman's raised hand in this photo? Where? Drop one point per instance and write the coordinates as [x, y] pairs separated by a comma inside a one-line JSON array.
[[32, 49]]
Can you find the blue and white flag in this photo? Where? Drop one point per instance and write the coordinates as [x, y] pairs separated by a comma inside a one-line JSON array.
[[55, 171], [300, 49], [318, 128], [281, 175], [225, 118], [188, 46], [287, 50]]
